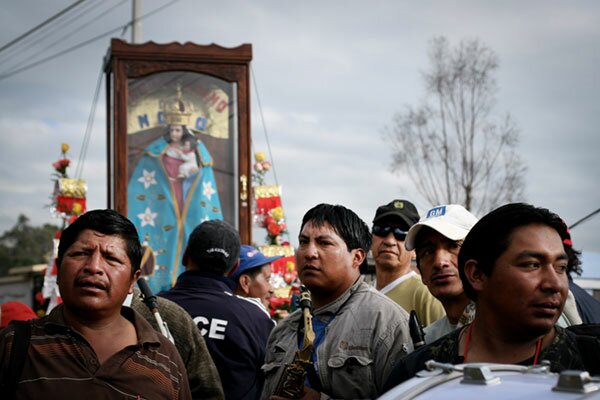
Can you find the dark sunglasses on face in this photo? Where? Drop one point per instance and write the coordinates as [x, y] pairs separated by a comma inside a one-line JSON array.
[[383, 231]]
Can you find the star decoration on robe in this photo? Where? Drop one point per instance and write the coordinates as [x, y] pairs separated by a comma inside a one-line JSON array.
[[148, 178], [147, 217], [208, 189]]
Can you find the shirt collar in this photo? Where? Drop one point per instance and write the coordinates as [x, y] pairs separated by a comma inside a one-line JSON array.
[[335, 307], [328, 311], [397, 281], [146, 335], [195, 277]]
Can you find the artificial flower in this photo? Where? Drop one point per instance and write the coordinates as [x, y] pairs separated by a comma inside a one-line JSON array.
[[61, 166], [259, 156], [277, 213], [274, 229]]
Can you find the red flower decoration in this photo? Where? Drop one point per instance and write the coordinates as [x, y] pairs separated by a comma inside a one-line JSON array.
[[274, 229], [268, 220], [61, 166]]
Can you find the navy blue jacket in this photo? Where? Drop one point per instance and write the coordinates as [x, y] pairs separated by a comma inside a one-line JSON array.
[[235, 330]]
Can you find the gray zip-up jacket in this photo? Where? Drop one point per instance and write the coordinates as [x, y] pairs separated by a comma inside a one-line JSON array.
[[367, 334]]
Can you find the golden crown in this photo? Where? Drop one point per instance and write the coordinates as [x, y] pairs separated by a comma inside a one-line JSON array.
[[176, 110]]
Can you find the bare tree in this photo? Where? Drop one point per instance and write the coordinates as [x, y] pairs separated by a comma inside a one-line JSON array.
[[452, 146]]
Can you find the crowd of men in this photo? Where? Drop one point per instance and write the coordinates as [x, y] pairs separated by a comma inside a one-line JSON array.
[[493, 290]]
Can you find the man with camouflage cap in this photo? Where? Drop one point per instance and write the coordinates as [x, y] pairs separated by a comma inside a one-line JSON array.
[[394, 275]]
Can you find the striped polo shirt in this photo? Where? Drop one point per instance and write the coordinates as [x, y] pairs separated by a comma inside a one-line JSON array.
[[61, 364]]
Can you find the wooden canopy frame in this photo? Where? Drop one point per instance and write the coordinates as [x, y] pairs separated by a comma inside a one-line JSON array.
[[126, 61]]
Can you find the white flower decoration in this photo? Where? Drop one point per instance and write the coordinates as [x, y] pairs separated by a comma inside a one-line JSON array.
[[147, 217], [208, 189], [148, 178]]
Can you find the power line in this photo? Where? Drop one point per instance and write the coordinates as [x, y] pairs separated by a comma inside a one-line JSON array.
[[90, 125], [49, 46], [590, 215], [29, 32], [262, 118], [70, 49], [264, 125], [81, 44], [88, 129], [33, 43]]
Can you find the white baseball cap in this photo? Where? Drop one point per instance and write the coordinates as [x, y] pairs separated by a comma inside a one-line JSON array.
[[451, 220]]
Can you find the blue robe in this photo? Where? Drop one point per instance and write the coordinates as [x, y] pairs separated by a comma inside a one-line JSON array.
[[153, 209]]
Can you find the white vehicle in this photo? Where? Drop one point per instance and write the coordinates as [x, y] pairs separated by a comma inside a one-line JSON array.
[[489, 381]]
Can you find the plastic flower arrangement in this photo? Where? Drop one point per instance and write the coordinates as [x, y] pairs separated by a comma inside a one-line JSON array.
[[261, 167], [60, 166], [68, 198], [274, 223], [269, 214]]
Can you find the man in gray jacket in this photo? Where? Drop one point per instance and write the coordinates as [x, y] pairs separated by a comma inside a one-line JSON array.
[[359, 332]]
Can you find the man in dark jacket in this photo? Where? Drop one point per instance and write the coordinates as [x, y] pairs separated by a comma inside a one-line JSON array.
[[234, 329], [587, 306]]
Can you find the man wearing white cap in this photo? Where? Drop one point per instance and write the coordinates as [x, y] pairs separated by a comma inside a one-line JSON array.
[[437, 238]]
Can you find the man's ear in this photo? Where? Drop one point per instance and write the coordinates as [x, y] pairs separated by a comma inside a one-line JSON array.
[[474, 275], [136, 276], [244, 282], [413, 256], [358, 256], [185, 259]]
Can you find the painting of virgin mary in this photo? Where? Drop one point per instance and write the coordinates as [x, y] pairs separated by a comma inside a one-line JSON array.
[[172, 189]]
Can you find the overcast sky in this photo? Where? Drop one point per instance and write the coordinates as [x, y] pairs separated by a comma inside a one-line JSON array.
[[330, 76]]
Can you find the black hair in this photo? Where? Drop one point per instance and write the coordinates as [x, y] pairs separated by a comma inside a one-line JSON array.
[[187, 136], [353, 230], [252, 272], [107, 222], [574, 266], [491, 236]]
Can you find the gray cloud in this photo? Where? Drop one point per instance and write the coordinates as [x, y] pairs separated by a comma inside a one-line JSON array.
[[330, 77]]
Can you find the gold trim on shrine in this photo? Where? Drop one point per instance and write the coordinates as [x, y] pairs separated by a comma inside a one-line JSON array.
[[277, 250], [263, 191], [72, 187]]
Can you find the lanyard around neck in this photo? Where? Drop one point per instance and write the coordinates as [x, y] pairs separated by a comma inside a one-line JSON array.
[[468, 340]]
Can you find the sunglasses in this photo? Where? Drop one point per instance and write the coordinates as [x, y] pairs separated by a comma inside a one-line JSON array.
[[383, 231]]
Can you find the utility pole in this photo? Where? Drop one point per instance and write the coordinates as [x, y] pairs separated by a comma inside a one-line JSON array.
[[136, 24]]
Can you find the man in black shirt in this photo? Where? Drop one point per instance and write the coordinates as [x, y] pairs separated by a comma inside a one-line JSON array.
[[513, 264]]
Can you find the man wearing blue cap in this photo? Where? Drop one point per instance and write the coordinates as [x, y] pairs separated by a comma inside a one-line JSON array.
[[253, 277]]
